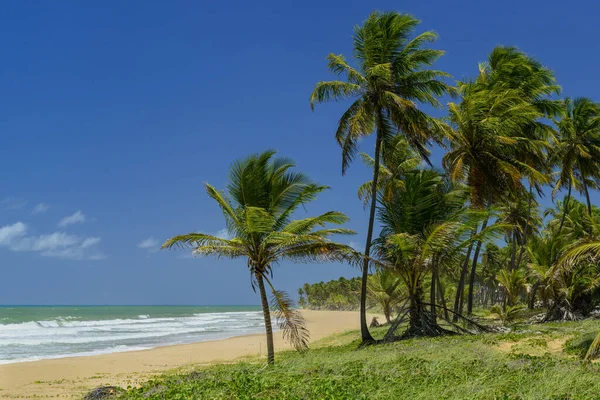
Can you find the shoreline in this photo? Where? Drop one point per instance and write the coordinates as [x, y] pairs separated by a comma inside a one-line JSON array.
[[70, 377]]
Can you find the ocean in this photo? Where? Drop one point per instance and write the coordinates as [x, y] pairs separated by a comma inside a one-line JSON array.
[[29, 333]]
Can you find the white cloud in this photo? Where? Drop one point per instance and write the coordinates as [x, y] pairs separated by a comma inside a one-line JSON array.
[[77, 218], [56, 244], [356, 246], [223, 234], [12, 203], [49, 242], [40, 208], [9, 233], [151, 244], [89, 242]]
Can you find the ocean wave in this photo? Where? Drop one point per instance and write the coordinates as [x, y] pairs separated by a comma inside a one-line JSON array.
[[64, 336]]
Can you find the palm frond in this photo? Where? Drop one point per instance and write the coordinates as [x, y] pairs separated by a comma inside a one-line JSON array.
[[291, 322]]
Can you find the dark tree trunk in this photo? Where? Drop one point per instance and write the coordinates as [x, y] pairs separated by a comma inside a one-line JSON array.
[[522, 250], [416, 312], [461, 284], [474, 270], [432, 292], [565, 209], [388, 313], [364, 328], [589, 205], [513, 250], [267, 316], [534, 289], [441, 294]]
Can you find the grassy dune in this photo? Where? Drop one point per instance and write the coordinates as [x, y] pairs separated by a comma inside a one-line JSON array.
[[532, 362]]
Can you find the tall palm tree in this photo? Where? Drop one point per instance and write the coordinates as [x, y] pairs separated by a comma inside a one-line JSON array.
[[498, 137], [262, 195], [385, 88], [577, 151], [483, 142]]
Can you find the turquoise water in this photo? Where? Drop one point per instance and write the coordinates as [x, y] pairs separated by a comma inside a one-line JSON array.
[[30, 333]]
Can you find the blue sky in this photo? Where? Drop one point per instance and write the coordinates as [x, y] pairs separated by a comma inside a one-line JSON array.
[[114, 114]]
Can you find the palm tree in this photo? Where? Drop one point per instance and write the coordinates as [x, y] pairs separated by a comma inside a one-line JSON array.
[[577, 150], [262, 195], [396, 161], [424, 229], [498, 138], [385, 88], [483, 142], [513, 282], [384, 288]]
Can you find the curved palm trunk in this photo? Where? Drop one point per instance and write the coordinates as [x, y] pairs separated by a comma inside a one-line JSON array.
[[474, 270], [267, 315], [461, 283], [364, 328], [565, 209], [513, 251]]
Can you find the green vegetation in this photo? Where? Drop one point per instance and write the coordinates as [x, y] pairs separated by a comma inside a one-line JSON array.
[[533, 362], [261, 198], [341, 294], [468, 235], [391, 76], [507, 138]]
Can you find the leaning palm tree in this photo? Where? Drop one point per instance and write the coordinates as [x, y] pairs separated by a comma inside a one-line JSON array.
[[577, 151], [385, 88], [261, 197], [499, 137]]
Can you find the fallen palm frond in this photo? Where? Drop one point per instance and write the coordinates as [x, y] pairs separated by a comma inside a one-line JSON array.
[[594, 350], [290, 320]]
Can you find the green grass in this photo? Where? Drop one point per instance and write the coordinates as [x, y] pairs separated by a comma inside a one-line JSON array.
[[461, 367]]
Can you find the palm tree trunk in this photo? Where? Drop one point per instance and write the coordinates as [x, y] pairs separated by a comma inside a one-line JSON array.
[[441, 294], [589, 203], [534, 289], [433, 288], [522, 249], [513, 252], [461, 283], [267, 315], [364, 328], [387, 311], [474, 269], [565, 209], [432, 293]]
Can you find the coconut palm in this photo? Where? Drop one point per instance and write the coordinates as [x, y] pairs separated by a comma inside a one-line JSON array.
[[577, 151], [541, 263], [513, 282], [424, 228], [498, 137], [385, 88], [397, 159], [262, 196], [385, 290], [483, 142]]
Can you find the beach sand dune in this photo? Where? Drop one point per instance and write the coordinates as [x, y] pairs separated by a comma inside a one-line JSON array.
[[71, 377]]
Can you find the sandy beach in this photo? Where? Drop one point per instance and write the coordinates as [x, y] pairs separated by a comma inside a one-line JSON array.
[[71, 377]]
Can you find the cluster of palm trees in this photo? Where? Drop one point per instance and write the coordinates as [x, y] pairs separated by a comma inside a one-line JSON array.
[[507, 136]]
